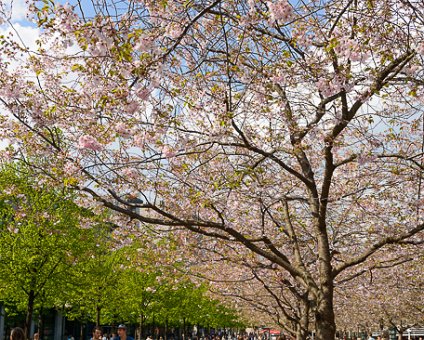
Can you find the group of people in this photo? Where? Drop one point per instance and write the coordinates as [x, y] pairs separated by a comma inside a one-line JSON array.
[[18, 333], [122, 334]]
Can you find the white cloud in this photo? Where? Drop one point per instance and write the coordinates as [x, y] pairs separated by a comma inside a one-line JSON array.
[[14, 10], [15, 24], [25, 36]]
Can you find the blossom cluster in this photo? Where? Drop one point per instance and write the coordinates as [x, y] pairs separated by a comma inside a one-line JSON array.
[[123, 130], [280, 11], [350, 49], [335, 85], [89, 142]]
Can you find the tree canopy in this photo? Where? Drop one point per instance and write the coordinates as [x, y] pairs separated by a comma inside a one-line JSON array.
[[41, 239], [292, 131]]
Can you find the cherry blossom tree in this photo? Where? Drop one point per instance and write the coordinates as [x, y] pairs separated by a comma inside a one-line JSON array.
[[285, 133], [383, 299]]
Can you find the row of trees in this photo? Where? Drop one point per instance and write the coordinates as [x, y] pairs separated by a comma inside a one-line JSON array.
[[282, 138], [55, 254], [386, 295]]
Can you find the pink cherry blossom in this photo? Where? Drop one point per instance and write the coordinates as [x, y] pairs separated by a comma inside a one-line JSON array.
[[130, 172], [291, 130], [89, 142], [174, 31], [143, 93], [168, 152], [144, 44], [132, 107], [70, 169], [123, 130], [280, 11]]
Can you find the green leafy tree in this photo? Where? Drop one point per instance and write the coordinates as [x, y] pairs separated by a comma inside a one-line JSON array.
[[155, 293], [94, 284], [40, 237], [187, 304]]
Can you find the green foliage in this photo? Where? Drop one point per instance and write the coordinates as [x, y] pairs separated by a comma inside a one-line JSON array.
[[41, 239], [160, 294], [79, 270]]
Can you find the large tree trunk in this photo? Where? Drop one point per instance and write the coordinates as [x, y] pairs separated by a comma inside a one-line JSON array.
[[300, 333], [325, 326], [303, 326], [30, 309]]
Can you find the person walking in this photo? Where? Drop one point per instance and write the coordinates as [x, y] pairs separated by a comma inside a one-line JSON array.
[[17, 333], [122, 333], [97, 333]]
